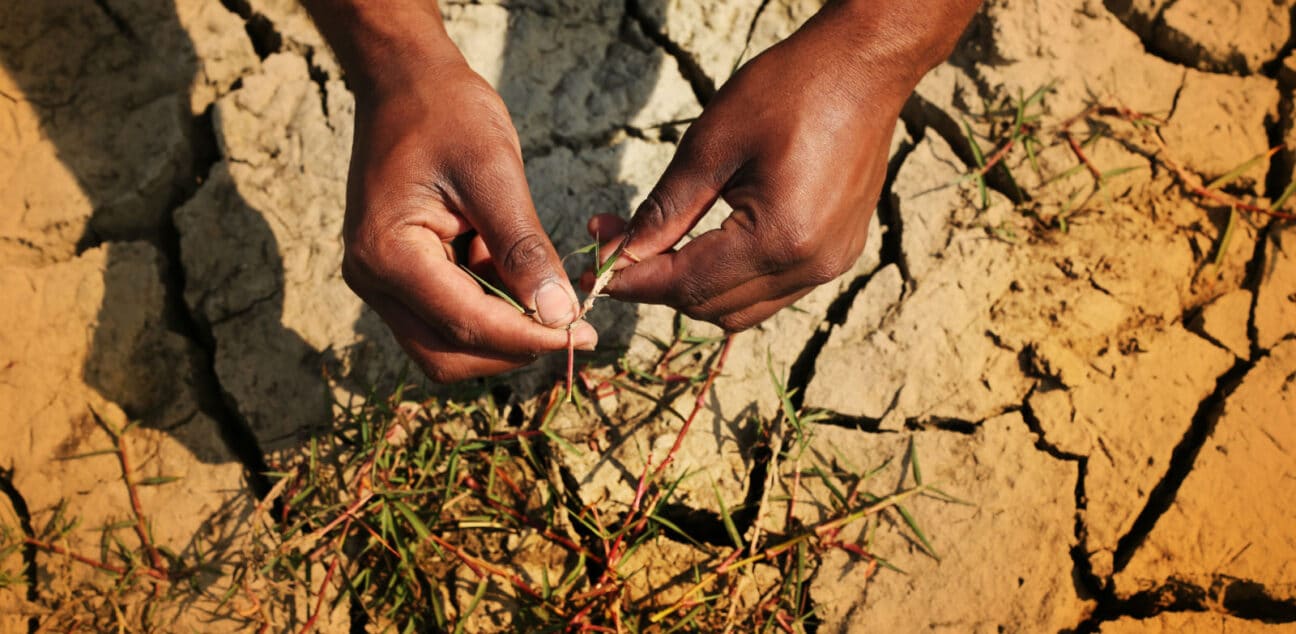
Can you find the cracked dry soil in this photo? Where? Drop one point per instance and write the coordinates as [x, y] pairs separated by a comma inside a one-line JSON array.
[[1117, 400]]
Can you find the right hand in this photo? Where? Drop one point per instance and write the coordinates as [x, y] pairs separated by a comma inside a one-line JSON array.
[[436, 157]]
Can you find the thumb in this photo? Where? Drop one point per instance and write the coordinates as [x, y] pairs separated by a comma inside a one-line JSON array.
[[497, 202], [686, 191]]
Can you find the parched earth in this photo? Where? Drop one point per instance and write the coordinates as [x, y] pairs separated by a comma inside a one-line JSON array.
[[1116, 399]]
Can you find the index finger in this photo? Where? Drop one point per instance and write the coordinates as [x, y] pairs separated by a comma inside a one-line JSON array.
[[708, 266]]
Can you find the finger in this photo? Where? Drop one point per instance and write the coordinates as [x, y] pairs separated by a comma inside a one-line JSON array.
[[706, 268], [686, 191], [495, 199], [752, 315], [438, 360], [757, 291], [454, 305], [606, 227]]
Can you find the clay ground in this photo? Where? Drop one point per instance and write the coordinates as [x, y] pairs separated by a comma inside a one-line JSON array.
[[1101, 372]]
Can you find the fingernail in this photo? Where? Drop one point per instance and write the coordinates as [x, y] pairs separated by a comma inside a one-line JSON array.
[[555, 306]]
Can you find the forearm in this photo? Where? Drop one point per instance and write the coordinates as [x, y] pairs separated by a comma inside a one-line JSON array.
[[378, 41]]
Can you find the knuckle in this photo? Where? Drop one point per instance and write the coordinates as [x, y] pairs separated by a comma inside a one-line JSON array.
[[441, 371], [735, 322], [528, 252], [437, 373], [461, 333], [493, 154], [652, 211], [697, 313], [350, 275], [366, 255], [690, 295], [359, 268], [826, 269], [794, 246]]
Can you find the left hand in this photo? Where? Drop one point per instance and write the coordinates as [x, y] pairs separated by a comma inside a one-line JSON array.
[[797, 144]]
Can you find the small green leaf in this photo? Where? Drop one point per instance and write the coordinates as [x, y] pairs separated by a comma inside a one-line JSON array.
[[561, 442], [674, 528]]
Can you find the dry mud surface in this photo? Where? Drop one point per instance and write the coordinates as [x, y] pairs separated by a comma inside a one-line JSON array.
[[1118, 401]]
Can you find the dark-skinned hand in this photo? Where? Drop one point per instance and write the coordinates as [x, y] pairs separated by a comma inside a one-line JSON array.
[[436, 159], [796, 142]]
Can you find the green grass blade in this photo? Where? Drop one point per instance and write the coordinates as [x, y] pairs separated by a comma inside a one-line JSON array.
[[156, 481], [979, 157], [604, 267], [977, 154], [1222, 249], [472, 605], [498, 293], [1113, 173], [417, 524], [913, 526], [889, 566], [89, 454], [913, 461], [1238, 171], [674, 528], [563, 443], [729, 525], [1038, 95], [1286, 193]]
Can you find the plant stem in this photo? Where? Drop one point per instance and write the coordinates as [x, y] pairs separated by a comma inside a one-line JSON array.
[[698, 404], [93, 563], [319, 601]]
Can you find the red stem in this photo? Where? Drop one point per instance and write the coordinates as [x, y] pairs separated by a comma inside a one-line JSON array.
[[698, 404], [571, 363], [1079, 152], [478, 565], [93, 563], [141, 528], [319, 601]]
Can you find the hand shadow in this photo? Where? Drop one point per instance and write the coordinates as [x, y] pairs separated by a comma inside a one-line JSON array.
[[112, 84]]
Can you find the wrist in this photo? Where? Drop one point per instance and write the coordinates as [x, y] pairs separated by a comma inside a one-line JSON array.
[[897, 41], [385, 46]]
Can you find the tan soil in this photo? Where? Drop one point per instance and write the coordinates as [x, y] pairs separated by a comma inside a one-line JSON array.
[[1117, 407]]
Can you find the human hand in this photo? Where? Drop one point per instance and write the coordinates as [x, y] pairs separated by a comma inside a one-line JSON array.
[[797, 144], [436, 158]]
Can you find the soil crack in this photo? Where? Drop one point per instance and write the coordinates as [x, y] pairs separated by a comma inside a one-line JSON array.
[[20, 508], [888, 212], [751, 30], [117, 20], [1240, 598], [704, 86], [213, 399], [1181, 463], [266, 39]]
